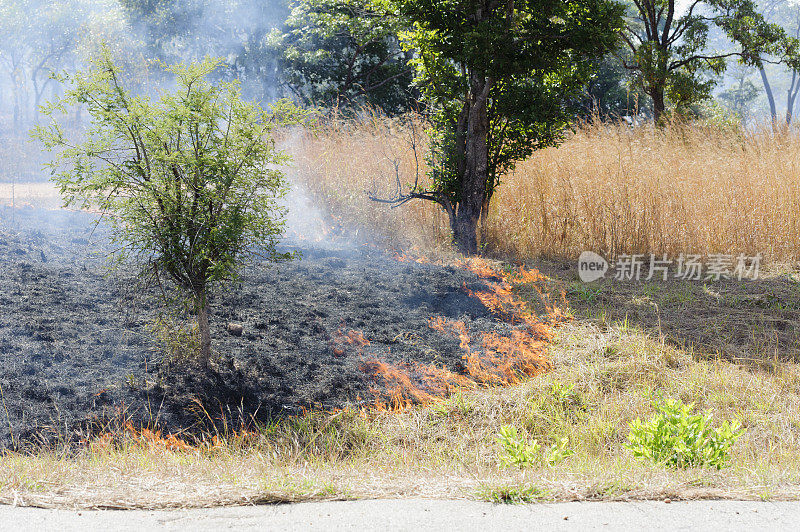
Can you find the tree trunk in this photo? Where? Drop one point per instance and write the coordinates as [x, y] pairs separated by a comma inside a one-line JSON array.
[[659, 105], [768, 89], [16, 112], [476, 166], [465, 233], [205, 330], [791, 94]]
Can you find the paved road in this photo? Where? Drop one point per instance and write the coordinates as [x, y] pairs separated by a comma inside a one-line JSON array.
[[424, 514]]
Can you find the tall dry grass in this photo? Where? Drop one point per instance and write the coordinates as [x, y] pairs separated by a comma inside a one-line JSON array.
[[608, 188], [684, 189], [343, 162]]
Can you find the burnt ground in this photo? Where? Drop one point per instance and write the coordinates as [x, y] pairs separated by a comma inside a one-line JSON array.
[[75, 351]]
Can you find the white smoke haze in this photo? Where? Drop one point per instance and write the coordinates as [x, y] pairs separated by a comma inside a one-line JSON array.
[[305, 223], [39, 38]]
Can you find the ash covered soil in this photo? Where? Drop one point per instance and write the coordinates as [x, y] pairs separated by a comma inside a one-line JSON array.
[[76, 354]]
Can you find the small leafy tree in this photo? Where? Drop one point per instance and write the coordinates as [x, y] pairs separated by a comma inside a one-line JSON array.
[[189, 181]]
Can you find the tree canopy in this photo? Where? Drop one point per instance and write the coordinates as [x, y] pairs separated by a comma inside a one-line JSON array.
[[346, 53], [668, 50]]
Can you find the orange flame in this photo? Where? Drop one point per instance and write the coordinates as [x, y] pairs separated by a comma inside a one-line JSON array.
[[402, 256], [500, 299], [493, 360], [343, 339], [413, 383], [152, 439]]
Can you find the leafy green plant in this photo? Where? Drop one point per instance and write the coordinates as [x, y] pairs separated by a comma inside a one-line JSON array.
[[558, 452], [456, 404], [561, 392], [563, 402], [679, 438], [190, 182], [517, 450], [522, 452]]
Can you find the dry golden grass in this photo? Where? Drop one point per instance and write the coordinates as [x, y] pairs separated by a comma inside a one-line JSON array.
[[449, 449], [343, 162], [683, 189], [609, 188], [680, 190]]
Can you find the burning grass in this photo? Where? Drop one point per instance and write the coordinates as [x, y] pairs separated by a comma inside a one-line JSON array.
[[341, 327], [493, 360], [439, 439], [435, 433]]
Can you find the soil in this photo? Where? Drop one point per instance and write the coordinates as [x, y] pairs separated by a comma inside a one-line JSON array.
[[76, 354]]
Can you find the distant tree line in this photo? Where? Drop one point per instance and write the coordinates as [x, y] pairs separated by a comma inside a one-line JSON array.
[[345, 54]]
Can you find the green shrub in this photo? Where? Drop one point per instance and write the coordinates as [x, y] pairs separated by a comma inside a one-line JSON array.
[[678, 438], [517, 450], [521, 452]]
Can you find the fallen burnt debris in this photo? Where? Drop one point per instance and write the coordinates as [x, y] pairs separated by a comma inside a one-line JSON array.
[[345, 326]]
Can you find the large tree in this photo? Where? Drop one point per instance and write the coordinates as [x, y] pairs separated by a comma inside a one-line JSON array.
[[189, 181], [499, 78], [668, 46]]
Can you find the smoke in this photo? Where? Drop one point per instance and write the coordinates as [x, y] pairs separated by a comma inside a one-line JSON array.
[[39, 38], [306, 224], [236, 31]]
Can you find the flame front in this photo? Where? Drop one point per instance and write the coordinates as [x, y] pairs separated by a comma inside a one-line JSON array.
[[152, 439], [491, 359]]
